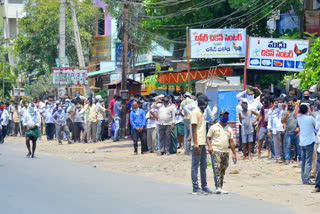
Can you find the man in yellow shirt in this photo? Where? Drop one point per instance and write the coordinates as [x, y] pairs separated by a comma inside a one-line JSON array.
[[219, 139], [91, 112], [198, 142]]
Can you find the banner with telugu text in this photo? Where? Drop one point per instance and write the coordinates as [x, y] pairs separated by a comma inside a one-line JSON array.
[[277, 54], [217, 43]]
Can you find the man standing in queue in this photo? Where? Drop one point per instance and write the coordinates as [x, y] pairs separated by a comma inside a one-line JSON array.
[[198, 142], [219, 139]]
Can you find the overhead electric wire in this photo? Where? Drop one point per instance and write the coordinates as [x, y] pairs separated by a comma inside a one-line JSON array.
[[185, 11]]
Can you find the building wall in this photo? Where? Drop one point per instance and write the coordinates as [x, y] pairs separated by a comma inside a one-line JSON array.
[[288, 21]]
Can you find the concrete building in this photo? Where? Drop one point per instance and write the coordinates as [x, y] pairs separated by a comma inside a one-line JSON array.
[[12, 11]]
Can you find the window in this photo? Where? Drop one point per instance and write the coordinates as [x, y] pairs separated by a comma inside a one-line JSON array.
[[101, 23]]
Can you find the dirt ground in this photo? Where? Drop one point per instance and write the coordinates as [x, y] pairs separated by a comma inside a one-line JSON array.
[[261, 179]]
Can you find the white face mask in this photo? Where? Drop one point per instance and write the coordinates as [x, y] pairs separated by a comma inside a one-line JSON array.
[[250, 97]]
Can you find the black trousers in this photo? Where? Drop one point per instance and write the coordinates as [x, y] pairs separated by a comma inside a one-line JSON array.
[[50, 130], [142, 136], [3, 134], [78, 127]]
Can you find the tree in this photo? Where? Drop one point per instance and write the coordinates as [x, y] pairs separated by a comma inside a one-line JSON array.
[[36, 45], [42, 86], [310, 74]]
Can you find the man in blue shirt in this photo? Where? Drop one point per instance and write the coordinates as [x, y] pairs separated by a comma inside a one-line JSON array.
[[60, 119], [47, 114], [138, 123], [307, 139]]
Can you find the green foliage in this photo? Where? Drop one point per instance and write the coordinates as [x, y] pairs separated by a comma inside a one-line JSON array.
[[36, 45], [158, 67], [264, 80], [41, 87], [310, 75], [151, 80]]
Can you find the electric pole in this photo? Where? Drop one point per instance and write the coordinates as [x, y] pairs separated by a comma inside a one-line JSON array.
[[188, 59], [62, 29], [19, 75], [6, 38], [77, 35], [124, 90]]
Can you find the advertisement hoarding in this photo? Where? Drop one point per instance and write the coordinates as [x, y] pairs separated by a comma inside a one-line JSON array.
[[70, 76], [277, 54], [217, 43]]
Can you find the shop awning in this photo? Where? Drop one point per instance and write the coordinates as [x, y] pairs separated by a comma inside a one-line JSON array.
[[180, 78], [90, 74]]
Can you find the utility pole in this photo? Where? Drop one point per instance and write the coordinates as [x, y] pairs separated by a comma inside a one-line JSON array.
[[188, 58], [124, 90], [62, 29], [77, 35], [19, 75], [6, 38]]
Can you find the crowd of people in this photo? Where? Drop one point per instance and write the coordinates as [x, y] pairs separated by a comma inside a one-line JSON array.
[[288, 127]]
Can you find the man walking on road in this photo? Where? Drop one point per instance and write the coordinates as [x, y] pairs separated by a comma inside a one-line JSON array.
[[199, 152], [219, 139], [60, 119]]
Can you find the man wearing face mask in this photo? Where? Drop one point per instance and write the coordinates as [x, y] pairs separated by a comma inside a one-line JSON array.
[[291, 138], [219, 139], [60, 119], [253, 105], [186, 121], [199, 152], [275, 127], [306, 96], [91, 114], [263, 121], [117, 107], [101, 116], [138, 124], [166, 122], [47, 114], [245, 118]]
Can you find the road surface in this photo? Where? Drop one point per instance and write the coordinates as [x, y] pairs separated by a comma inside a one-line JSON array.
[[48, 185]]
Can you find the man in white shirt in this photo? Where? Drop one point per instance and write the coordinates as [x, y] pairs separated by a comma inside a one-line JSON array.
[[166, 120], [152, 120], [4, 122], [253, 105]]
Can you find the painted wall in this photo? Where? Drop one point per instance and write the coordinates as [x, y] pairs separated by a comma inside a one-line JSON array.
[[287, 21]]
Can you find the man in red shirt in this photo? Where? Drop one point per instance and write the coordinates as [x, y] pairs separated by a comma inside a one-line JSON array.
[[263, 121], [111, 105]]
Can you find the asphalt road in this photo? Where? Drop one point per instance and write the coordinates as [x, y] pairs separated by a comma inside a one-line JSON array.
[[48, 185]]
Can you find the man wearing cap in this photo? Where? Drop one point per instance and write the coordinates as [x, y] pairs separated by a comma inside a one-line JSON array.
[[219, 139], [186, 121], [198, 142]]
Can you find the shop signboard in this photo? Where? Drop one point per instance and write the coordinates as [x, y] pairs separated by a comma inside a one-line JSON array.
[[217, 43], [277, 54], [70, 76]]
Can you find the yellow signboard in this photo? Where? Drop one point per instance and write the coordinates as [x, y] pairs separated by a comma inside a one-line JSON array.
[[101, 48]]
